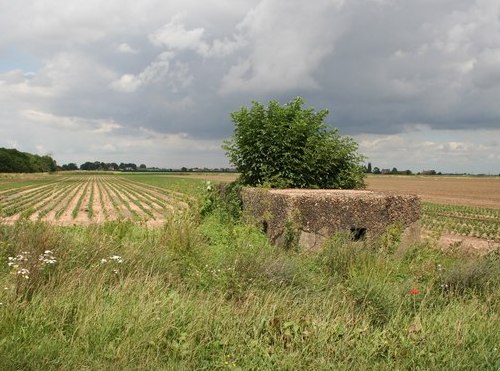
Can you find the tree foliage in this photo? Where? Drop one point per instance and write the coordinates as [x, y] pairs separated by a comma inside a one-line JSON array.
[[69, 167], [14, 161], [289, 146]]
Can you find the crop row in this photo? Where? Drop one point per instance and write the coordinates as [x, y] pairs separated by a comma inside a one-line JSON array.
[[471, 221], [80, 199]]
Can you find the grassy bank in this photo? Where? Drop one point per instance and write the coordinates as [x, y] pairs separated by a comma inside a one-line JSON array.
[[212, 294]]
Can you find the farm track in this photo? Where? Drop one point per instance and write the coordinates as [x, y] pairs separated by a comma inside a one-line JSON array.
[[83, 200]]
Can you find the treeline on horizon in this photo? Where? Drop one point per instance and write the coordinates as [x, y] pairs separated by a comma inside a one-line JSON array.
[[395, 171], [14, 161], [113, 166]]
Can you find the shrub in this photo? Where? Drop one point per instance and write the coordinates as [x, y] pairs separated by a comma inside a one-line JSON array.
[[224, 197], [289, 146]]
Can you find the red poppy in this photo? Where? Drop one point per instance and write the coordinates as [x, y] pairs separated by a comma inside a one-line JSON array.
[[414, 291]]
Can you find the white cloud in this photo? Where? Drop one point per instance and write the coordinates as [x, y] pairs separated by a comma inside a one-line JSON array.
[[443, 150], [85, 67], [71, 123], [126, 48], [155, 72], [289, 40], [161, 70], [175, 36], [127, 83]]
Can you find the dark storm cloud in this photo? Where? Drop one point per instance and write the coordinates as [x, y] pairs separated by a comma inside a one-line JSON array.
[[161, 77]]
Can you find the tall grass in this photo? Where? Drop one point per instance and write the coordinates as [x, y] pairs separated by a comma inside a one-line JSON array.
[[212, 293]]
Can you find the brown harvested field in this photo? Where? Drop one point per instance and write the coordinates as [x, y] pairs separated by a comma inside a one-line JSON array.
[[453, 190], [469, 191]]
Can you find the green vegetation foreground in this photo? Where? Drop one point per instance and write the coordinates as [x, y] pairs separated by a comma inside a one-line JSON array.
[[212, 293]]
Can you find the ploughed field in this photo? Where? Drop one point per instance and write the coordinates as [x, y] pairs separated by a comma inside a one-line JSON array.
[[78, 199], [482, 192], [453, 208]]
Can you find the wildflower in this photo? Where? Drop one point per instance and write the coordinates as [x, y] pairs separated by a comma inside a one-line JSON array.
[[116, 258], [12, 262], [23, 272], [115, 271], [104, 260], [414, 291], [47, 257]]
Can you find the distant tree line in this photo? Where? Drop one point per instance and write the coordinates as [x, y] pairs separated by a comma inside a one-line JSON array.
[[113, 166], [395, 171], [102, 166], [14, 161]]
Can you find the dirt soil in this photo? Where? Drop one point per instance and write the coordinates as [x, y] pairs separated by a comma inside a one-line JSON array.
[[470, 191], [471, 244]]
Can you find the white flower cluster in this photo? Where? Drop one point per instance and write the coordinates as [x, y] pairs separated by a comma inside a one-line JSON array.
[[218, 272], [47, 258], [24, 273], [14, 261], [209, 186], [17, 262], [112, 258]]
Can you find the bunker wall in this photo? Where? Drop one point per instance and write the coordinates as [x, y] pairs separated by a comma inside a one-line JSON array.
[[314, 215]]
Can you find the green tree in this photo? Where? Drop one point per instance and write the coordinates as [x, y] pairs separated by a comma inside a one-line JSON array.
[[14, 161], [289, 146]]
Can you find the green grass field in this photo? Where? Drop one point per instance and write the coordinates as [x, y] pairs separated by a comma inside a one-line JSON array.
[[211, 293]]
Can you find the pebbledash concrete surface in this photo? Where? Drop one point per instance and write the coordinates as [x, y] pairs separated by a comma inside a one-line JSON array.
[[310, 216]]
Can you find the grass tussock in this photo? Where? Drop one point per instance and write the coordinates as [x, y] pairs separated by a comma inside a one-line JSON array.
[[212, 293]]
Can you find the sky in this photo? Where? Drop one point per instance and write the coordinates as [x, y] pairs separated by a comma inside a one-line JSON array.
[[415, 82]]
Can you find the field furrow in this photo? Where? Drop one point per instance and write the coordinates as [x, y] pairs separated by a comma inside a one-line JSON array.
[[84, 199]]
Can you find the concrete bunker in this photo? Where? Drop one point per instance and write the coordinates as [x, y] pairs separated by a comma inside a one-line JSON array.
[[310, 216]]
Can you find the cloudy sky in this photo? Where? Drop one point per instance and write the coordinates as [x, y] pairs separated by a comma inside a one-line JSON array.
[[415, 82]]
